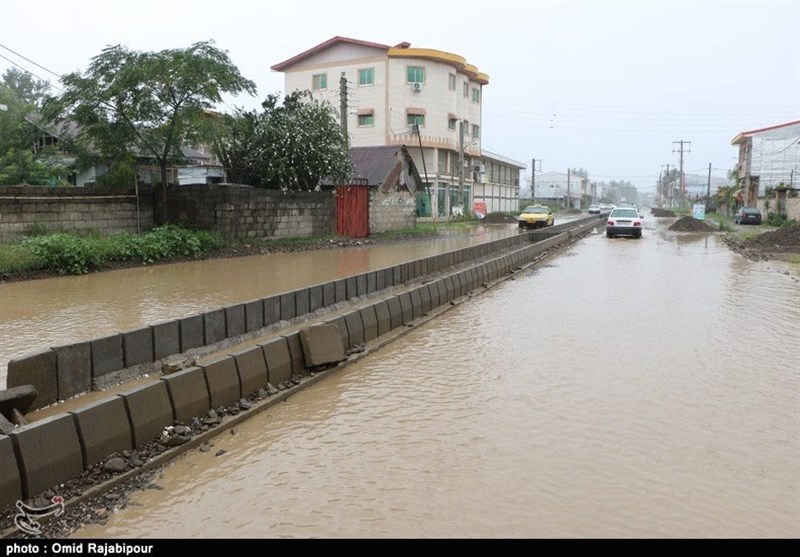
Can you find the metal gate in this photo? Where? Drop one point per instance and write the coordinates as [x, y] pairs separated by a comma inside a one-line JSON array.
[[352, 210]]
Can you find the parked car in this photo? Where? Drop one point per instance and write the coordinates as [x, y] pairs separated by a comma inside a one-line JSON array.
[[536, 216], [594, 209], [606, 208], [747, 215], [624, 221]]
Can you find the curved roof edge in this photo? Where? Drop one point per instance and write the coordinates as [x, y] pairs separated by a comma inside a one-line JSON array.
[[454, 60]]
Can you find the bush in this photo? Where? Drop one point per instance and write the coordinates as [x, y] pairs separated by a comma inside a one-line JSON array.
[[63, 252]]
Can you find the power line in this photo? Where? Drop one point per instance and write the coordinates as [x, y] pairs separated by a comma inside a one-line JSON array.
[[29, 60], [31, 73]]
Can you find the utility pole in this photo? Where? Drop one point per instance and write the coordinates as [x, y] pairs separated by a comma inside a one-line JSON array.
[[682, 143], [569, 206], [343, 102], [460, 198], [415, 128], [533, 181], [708, 188]]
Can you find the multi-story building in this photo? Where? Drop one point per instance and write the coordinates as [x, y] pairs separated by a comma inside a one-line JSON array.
[[428, 100], [768, 157]]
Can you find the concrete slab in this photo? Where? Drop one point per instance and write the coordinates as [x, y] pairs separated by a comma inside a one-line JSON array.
[[370, 321], [404, 272], [425, 298], [340, 288], [456, 279], [74, 369], [388, 279], [103, 429], [384, 317], [351, 285], [21, 398], [279, 360], [322, 344], [406, 308], [10, 482], [188, 393], [296, 352], [166, 339], [372, 284], [48, 453], [214, 326], [315, 298], [328, 294], [395, 312], [443, 299], [272, 310], [190, 330], [106, 355], [253, 315], [302, 302], [355, 328], [380, 280], [361, 284], [252, 369], [149, 411], [397, 271], [340, 324], [450, 288], [37, 369], [222, 380], [433, 290], [416, 303], [234, 321], [137, 347], [288, 307]]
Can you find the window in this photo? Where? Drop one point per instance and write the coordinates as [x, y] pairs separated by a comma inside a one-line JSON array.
[[366, 120], [452, 83], [451, 123], [415, 74], [415, 119], [476, 95], [366, 76], [476, 131], [466, 89], [319, 81]]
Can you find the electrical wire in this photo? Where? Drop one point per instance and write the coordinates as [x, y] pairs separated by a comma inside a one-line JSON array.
[[29, 60]]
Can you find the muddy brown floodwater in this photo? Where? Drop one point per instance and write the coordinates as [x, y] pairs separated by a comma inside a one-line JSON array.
[[624, 388], [36, 315]]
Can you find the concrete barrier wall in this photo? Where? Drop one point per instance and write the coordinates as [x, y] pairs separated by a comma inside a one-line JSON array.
[[36, 457]]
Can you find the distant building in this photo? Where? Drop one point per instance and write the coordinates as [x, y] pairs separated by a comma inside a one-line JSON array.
[[428, 100], [768, 157], [554, 187]]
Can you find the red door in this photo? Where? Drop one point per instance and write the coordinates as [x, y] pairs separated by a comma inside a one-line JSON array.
[[352, 211]]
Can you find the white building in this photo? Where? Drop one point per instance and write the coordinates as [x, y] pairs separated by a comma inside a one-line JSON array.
[[554, 187], [428, 100], [768, 157]]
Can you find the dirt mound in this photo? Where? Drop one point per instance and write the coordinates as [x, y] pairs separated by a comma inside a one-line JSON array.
[[690, 224], [783, 239], [661, 212], [498, 218]]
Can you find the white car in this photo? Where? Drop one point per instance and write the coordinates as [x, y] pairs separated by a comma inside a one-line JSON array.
[[624, 221]]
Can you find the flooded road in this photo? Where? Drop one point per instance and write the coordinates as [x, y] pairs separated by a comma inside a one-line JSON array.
[[35, 315], [623, 388]]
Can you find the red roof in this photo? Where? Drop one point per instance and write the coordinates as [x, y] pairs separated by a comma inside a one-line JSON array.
[[327, 44], [771, 128]]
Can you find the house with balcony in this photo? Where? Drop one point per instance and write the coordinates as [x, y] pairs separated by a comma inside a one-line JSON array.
[[768, 158], [427, 100]]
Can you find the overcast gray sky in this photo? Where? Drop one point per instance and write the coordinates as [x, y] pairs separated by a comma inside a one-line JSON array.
[[607, 86]]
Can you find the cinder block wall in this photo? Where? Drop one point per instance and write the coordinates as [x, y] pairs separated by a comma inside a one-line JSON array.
[[240, 213], [107, 210], [391, 211]]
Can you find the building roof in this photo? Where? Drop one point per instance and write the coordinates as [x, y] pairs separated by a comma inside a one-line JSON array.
[[743, 135], [493, 156], [401, 50], [380, 166]]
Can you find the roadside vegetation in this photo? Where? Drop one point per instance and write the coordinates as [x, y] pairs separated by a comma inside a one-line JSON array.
[[76, 254]]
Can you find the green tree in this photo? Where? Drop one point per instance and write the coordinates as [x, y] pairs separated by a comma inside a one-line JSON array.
[[150, 103], [289, 146]]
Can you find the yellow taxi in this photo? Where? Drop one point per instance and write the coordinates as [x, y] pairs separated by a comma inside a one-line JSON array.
[[536, 216]]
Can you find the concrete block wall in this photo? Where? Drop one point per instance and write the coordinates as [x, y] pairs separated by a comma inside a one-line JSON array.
[[36, 457], [391, 211], [241, 213], [107, 210]]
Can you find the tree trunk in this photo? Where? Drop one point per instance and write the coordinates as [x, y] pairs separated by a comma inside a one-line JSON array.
[[163, 215]]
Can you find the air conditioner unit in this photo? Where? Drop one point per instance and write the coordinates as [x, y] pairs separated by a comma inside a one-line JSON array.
[[478, 168], [416, 86]]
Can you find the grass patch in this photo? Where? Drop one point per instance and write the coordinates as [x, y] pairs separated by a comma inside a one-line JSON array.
[[16, 259]]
